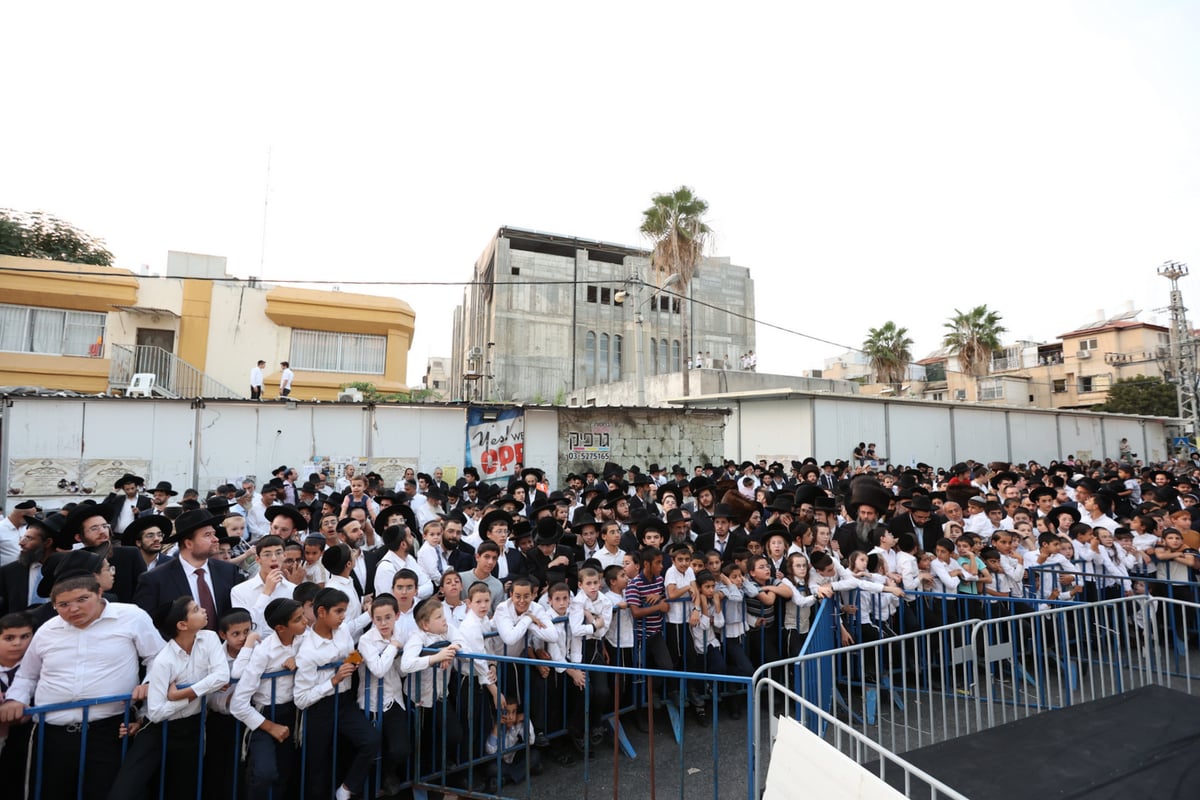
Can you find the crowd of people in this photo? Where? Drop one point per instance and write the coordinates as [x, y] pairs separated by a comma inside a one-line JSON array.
[[289, 609]]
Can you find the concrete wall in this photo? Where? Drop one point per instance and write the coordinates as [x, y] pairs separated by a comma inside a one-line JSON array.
[[92, 441], [906, 431]]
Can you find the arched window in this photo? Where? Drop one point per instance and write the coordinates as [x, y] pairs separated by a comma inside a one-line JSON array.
[[602, 359], [675, 365], [589, 358], [616, 362], [653, 356], [663, 363]]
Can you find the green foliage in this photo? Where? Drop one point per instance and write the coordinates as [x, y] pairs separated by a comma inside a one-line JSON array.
[[889, 351], [560, 397], [1142, 395], [40, 235], [373, 395], [973, 336]]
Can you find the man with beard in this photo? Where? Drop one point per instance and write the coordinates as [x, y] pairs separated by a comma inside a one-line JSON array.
[[868, 503], [146, 535], [12, 528], [919, 522], [458, 554], [704, 491], [88, 524], [350, 533], [722, 540], [19, 580]]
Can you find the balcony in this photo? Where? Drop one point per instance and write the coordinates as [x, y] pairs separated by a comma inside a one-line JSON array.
[[1130, 358]]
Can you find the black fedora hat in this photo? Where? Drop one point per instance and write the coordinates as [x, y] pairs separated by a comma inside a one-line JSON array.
[[1043, 491], [700, 483], [652, 524], [129, 477], [133, 530], [582, 519], [547, 531], [291, 512], [782, 503], [492, 517], [1056, 512], [165, 487], [60, 566], [808, 493], [219, 505], [722, 511], [867, 491], [386, 516], [920, 502], [52, 530], [80, 514], [191, 521], [534, 471]]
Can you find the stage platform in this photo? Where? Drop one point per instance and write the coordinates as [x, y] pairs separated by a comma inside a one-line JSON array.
[[1145, 743]]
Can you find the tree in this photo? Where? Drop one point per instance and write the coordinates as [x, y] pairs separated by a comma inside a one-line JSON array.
[[674, 223], [973, 336], [40, 235], [1142, 395], [889, 352]]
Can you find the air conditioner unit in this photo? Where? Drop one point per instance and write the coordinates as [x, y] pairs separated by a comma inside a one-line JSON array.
[[1082, 354], [476, 352], [350, 396], [960, 394]]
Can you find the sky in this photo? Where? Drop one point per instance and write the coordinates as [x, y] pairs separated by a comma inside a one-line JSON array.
[[867, 161]]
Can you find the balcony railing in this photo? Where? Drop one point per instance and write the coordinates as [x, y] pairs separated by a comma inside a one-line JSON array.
[[173, 377]]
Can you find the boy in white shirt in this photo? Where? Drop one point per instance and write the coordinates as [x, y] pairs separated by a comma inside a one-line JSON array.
[[516, 730], [381, 686], [222, 746], [611, 553], [430, 558], [589, 617], [330, 712], [1052, 570], [193, 656]]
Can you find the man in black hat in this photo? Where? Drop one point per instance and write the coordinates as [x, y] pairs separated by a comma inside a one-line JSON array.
[[12, 528], [19, 580], [704, 490], [531, 477], [722, 539], [127, 501], [919, 522], [160, 495], [195, 572], [868, 504], [551, 562], [146, 535]]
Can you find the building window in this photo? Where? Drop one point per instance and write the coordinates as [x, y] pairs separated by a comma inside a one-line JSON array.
[[653, 356], [991, 390], [25, 329], [324, 351], [606, 296], [591, 294], [603, 358], [663, 364], [675, 356], [1087, 344], [1085, 384], [1060, 386], [616, 356], [589, 358]]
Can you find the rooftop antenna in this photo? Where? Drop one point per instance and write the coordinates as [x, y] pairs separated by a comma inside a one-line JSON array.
[[1183, 348]]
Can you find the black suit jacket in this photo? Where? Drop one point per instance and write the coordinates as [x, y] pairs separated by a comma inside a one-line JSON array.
[[701, 522], [462, 557], [927, 536], [167, 583], [116, 500], [708, 541], [130, 568], [14, 587]]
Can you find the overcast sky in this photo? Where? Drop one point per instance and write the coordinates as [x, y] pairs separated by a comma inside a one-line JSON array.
[[867, 161]]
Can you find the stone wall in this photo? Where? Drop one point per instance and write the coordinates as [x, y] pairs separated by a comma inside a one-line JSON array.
[[593, 436]]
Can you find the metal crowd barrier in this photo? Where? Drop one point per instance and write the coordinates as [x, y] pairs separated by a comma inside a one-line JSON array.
[[922, 687]]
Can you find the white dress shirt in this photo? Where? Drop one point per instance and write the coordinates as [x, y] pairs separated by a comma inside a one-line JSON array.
[[257, 524], [514, 629], [381, 661], [608, 559], [65, 664], [254, 694], [424, 681], [390, 564], [204, 670], [256, 376], [249, 595], [127, 515], [10, 541], [313, 683]]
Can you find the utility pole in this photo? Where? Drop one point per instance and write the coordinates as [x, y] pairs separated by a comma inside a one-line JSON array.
[[1183, 349]]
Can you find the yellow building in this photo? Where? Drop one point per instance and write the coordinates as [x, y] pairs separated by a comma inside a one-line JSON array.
[[89, 329]]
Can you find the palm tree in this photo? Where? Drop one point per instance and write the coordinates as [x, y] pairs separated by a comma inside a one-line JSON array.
[[674, 223], [889, 352], [973, 336]]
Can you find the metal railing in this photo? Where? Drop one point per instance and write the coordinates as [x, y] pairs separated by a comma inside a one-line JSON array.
[[173, 377], [995, 665]]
